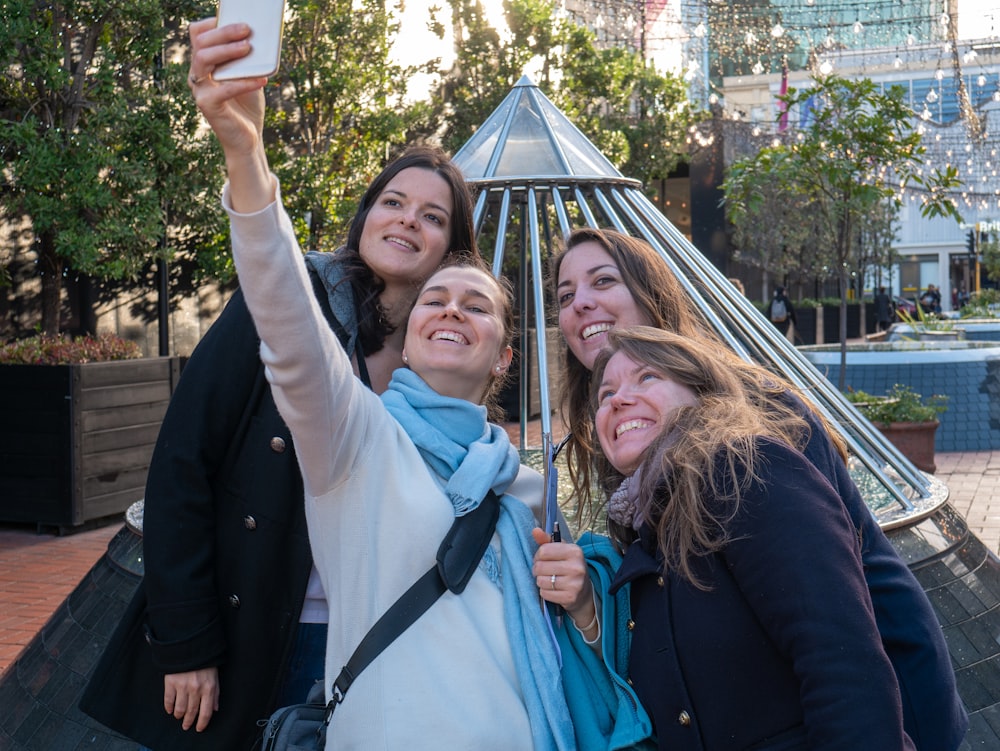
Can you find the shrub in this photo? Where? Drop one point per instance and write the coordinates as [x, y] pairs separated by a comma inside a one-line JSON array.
[[43, 349], [901, 404]]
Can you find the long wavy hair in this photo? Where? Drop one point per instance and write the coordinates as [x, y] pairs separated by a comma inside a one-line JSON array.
[[373, 325], [659, 296], [665, 304], [694, 472]]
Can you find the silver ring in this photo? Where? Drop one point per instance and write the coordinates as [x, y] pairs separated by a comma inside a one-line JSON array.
[[553, 580], [195, 81]]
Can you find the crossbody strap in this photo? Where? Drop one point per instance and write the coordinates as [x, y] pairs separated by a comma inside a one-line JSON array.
[[457, 559]]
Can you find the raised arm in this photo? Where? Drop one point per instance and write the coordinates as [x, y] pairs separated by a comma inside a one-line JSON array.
[[311, 376]]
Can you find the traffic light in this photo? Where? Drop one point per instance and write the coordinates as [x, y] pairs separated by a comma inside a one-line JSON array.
[[970, 242]]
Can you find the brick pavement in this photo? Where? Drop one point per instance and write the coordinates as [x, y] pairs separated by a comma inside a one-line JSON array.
[[973, 480], [38, 571]]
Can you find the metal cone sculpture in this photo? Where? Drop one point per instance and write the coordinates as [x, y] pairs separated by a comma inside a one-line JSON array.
[[537, 177]]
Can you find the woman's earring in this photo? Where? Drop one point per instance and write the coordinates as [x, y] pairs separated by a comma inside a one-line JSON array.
[[406, 359]]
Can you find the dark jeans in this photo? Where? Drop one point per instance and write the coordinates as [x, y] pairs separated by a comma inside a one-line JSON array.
[[306, 665]]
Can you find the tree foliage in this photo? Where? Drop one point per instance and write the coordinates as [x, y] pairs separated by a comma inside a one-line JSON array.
[[859, 151], [97, 137], [639, 118], [108, 160]]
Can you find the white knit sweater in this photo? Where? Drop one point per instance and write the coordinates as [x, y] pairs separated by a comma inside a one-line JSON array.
[[376, 517]]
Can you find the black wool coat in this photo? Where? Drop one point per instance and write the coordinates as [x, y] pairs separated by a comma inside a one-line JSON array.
[[227, 554]]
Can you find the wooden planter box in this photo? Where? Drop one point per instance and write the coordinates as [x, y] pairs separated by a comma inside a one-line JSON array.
[[915, 440], [76, 440]]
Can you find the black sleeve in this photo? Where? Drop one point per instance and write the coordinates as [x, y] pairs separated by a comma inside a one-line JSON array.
[[179, 535]]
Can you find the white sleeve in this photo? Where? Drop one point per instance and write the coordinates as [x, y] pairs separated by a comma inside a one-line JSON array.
[[310, 375]]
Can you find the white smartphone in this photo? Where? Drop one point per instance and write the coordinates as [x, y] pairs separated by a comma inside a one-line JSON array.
[[265, 19]]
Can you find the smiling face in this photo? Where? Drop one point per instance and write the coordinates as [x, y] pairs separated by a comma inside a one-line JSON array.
[[634, 405], [408, 228], [456, 336], [593, 299]]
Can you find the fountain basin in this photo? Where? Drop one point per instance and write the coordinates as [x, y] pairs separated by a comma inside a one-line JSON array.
[[967, 372]]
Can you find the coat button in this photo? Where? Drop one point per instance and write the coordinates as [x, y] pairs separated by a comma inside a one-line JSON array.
[[249, 522], [630, 625], [278, 444], [234, 601], [684, 719], [659, 581]]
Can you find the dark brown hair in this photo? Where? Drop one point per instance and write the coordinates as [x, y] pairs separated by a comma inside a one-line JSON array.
[[373, 327]]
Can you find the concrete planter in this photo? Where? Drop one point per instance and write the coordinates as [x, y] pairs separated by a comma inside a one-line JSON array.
[[77, 439], [915, 440]]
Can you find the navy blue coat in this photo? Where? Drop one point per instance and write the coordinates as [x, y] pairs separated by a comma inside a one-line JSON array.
[[783, 651], [933, 714]]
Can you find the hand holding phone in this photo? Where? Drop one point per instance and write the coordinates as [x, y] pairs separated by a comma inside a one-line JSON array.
[[266, 20]]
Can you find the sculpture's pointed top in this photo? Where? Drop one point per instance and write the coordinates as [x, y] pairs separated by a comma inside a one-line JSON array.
[[528, 137]]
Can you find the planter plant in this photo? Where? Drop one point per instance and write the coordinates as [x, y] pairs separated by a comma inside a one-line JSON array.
[[81, 417], [930, 326], [906, 418]]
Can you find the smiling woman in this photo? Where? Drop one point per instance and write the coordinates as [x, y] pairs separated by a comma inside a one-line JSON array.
[[375, 526], [636, 402], [736, 642], [459, 333]]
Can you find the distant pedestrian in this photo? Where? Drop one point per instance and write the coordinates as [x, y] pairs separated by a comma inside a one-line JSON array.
[[883, 310], [926, 301], [936, 291], [780, 311]]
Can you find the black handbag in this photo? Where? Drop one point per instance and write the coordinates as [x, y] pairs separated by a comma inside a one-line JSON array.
[[302, 727]]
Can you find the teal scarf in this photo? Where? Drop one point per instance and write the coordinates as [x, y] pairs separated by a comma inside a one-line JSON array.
[[473, 456]]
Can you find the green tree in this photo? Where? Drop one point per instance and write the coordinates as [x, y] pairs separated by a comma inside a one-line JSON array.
[[638, 117], [771, 226], [335, 111], [97, 137], [860, 149]]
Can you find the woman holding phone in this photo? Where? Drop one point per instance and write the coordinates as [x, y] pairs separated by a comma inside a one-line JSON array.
[[385, 477], [229, 622]]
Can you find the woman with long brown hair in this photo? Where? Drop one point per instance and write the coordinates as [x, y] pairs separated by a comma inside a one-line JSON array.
[[751, 622], [604, 279]]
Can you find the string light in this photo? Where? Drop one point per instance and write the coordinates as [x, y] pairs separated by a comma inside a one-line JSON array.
[[869, 38]]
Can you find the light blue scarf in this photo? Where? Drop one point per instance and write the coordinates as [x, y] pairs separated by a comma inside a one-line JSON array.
[[473, 456], [454, 439]]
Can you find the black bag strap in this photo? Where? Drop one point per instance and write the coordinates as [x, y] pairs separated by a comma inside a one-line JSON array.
[[323, 298], [457, 559]]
